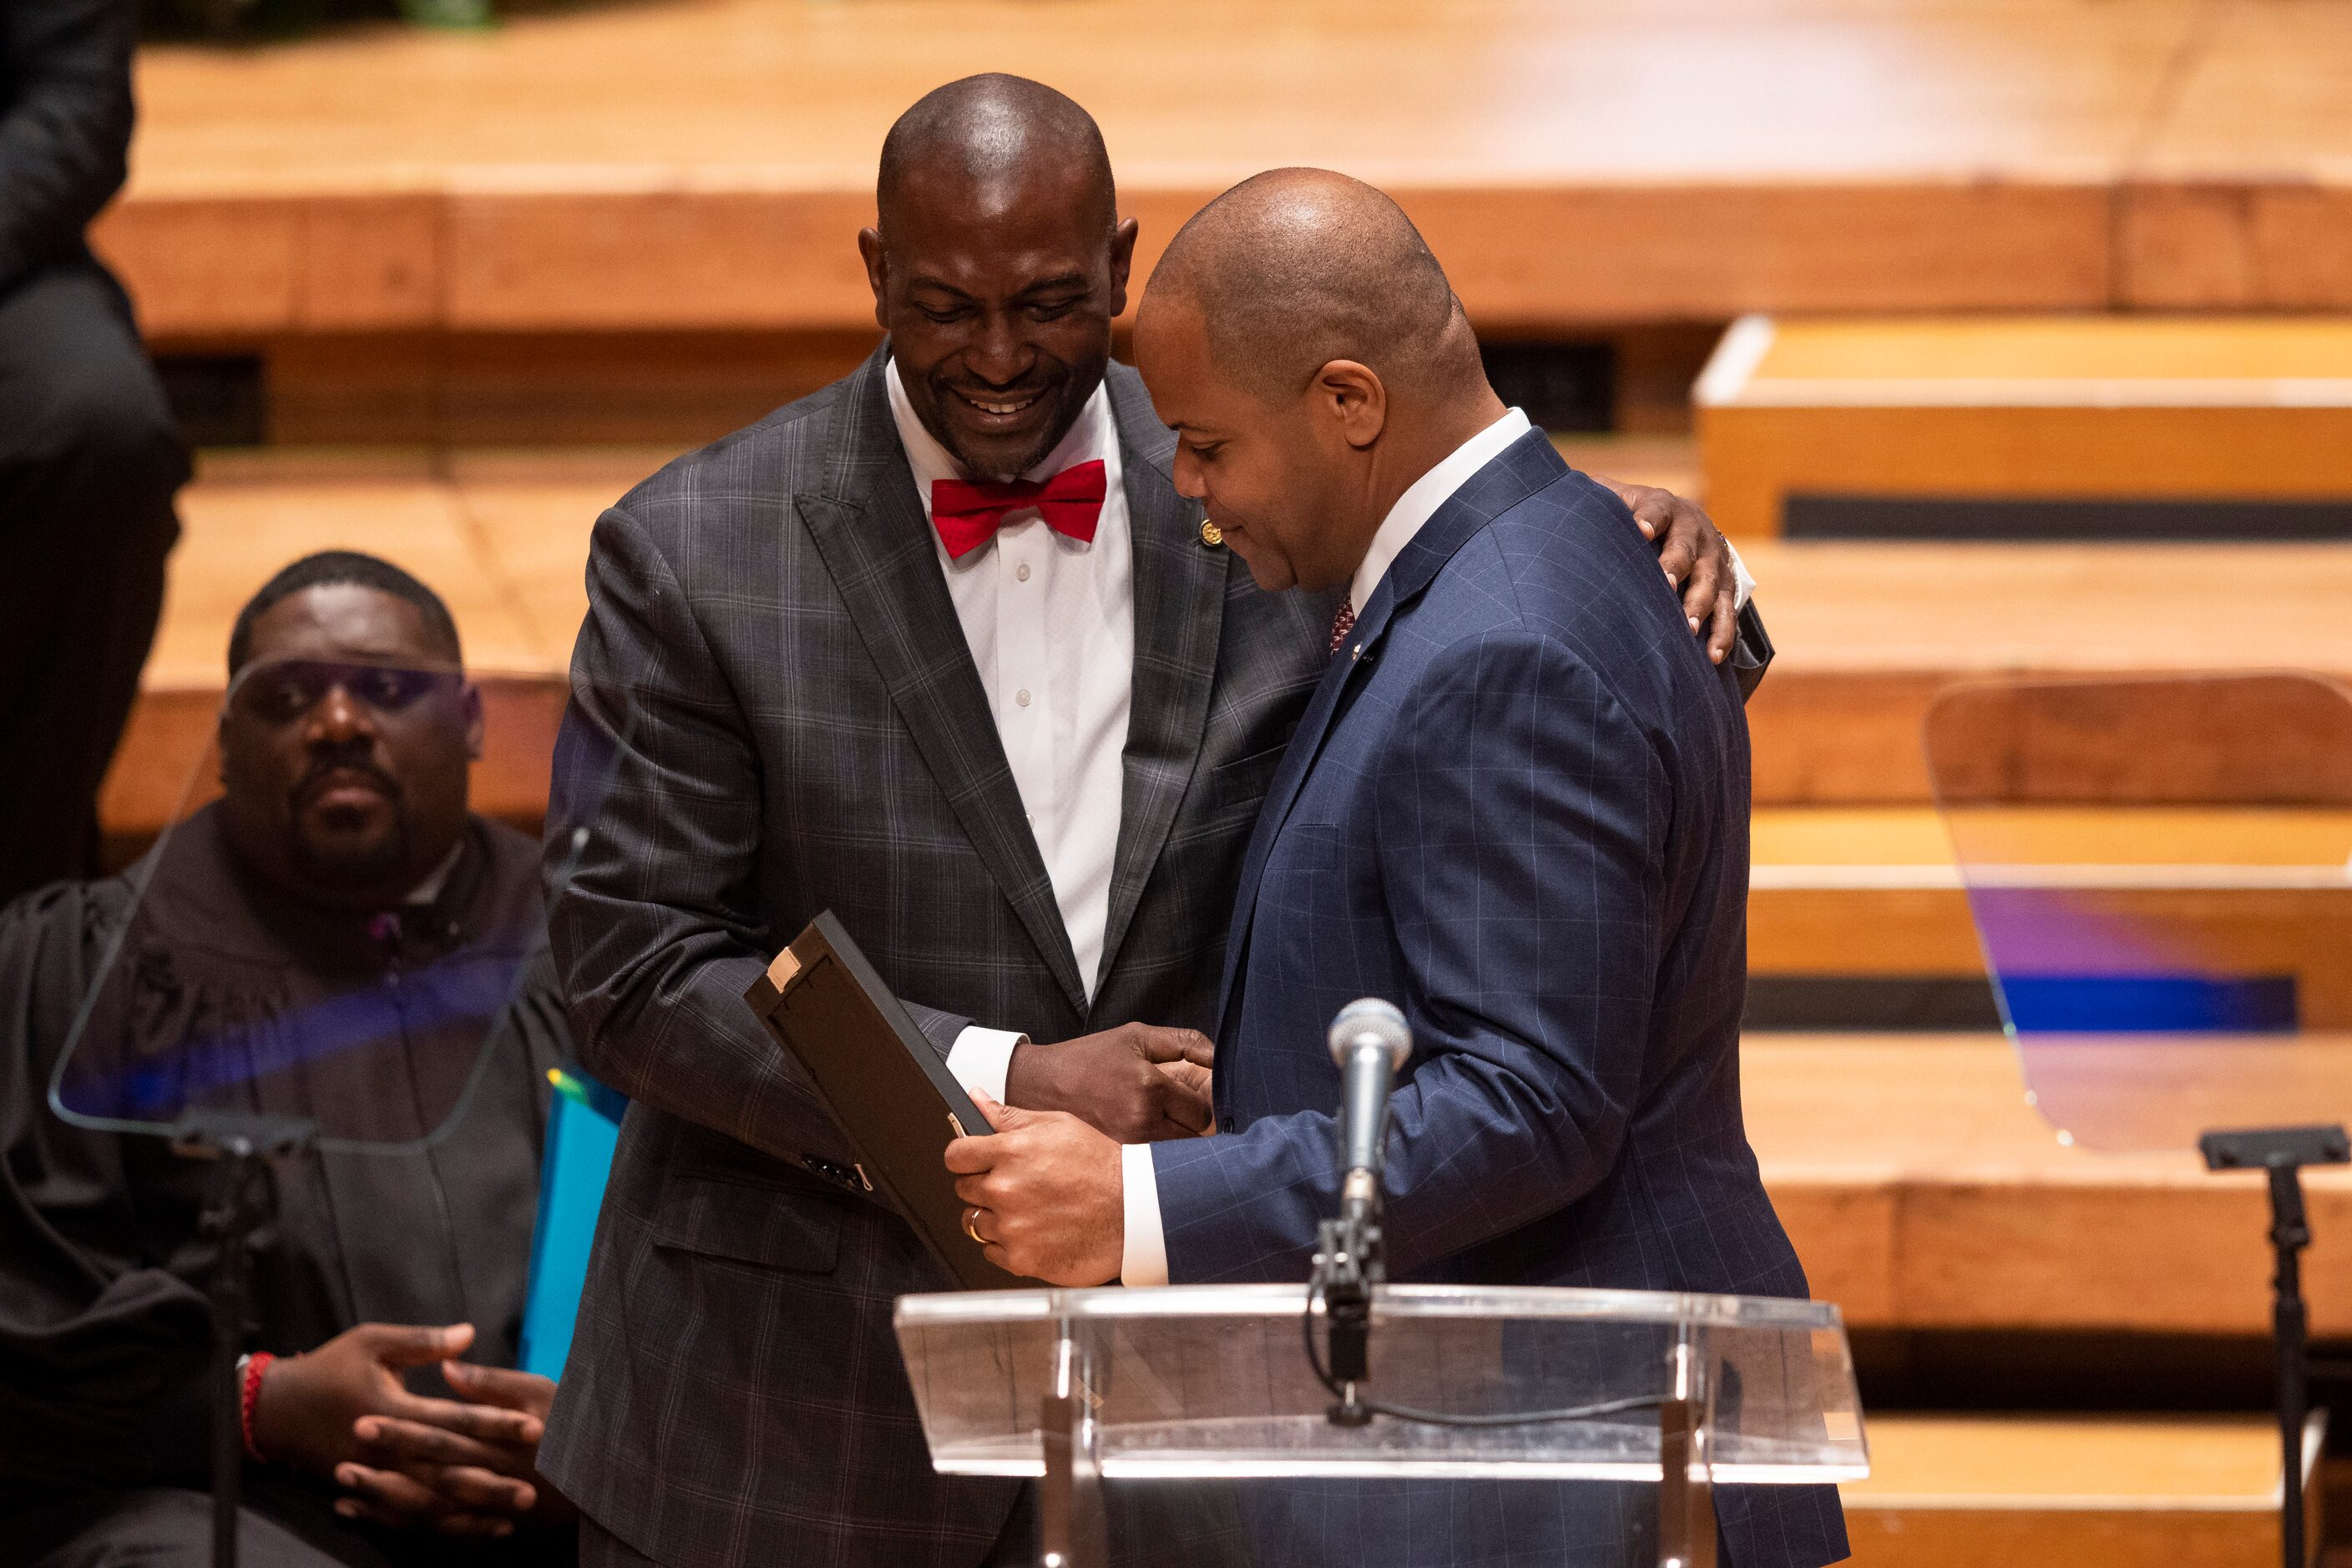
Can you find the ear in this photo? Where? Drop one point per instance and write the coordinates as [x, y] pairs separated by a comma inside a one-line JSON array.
[[877, 273], [1122, 262], [473, 723], [1350, 393]]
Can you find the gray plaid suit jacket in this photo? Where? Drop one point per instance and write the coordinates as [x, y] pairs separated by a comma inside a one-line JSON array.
[[775, 709]]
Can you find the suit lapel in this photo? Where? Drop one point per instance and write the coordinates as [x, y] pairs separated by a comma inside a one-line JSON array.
[[869, 526], [1179, 601], [1518, 471]]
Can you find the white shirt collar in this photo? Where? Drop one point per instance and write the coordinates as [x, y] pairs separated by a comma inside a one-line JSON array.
[[1089, 437], [1424, 496]]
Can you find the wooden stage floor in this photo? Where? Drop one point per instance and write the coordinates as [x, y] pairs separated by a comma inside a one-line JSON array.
[[701, 163]]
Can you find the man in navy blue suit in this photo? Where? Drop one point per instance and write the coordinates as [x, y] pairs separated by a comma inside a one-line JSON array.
[[1517, 807]]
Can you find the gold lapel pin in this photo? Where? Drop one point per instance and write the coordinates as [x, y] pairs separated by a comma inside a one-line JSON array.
[[1211, 534]]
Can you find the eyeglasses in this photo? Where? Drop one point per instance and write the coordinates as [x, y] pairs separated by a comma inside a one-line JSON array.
[[285, 689]]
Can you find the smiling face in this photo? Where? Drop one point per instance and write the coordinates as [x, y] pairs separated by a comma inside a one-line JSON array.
[[998, 294], [344, 746], [1285, 478]]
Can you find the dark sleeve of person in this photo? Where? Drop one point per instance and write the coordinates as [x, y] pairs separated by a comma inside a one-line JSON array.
[[654, 917], [64, 133], [103, 1359], [1751, 655]]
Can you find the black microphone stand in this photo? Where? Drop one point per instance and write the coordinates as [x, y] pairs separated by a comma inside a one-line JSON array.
[[2283, 1152], [1347, 1264], [243, 1197]]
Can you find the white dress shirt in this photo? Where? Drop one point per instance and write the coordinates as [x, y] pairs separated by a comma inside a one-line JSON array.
[[1144, 1259], [1051, 624]]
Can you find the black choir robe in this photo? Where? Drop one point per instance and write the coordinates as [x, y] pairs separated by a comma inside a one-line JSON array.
[[219, 993]]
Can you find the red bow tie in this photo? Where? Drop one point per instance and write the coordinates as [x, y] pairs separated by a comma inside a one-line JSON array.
[[967, 514]]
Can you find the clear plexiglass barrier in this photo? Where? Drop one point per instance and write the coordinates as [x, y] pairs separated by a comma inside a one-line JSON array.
[[1215, 1381], [2160, 873]]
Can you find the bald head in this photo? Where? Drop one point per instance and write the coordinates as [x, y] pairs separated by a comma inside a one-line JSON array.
[[1296, 268], [993, 137], [1306, 348]]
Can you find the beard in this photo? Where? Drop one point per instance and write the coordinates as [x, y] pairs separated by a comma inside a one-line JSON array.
[[353, 862], [347, 850]]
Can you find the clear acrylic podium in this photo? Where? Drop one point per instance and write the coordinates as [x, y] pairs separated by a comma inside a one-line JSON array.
[[1199, 1382]]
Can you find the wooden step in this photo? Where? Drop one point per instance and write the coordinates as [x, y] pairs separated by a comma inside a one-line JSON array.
[[1868, 633], [1864, 892], [1969, 1491], [1891, 426], [634, 168], [1856, 891], [1922, 1192]]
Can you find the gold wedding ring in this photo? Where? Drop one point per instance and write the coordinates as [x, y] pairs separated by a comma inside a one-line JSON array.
[[971, 1228]]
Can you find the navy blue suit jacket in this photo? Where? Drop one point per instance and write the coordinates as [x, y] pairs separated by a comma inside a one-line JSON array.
[[1517, 808]]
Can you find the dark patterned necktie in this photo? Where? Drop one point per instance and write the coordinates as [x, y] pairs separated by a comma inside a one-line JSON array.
[[1343, 624]]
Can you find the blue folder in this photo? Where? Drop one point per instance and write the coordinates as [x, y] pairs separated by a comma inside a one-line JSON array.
[[584, 1123]]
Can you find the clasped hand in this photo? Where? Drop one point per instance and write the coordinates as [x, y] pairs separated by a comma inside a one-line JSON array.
[[463, 1466], [1136, 1084]]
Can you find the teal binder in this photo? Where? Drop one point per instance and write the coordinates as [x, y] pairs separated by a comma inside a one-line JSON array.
[[584, 1123]]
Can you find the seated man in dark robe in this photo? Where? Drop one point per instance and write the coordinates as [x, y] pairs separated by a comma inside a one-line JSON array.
[[336, 938]]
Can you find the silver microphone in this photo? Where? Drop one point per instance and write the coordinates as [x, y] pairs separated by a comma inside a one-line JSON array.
[[1370, 1041]]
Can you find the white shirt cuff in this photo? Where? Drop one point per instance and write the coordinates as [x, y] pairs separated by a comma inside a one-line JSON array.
[[980, 1057], [1144, 1259], [1743, 585]]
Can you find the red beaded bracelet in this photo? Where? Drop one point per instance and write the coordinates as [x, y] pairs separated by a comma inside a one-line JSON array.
[[250, 1396]]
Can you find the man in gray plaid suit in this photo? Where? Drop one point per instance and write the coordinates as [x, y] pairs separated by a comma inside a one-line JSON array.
[[941, 649]]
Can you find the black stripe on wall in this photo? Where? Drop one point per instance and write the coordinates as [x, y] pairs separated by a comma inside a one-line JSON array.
[[1873, 1003]]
